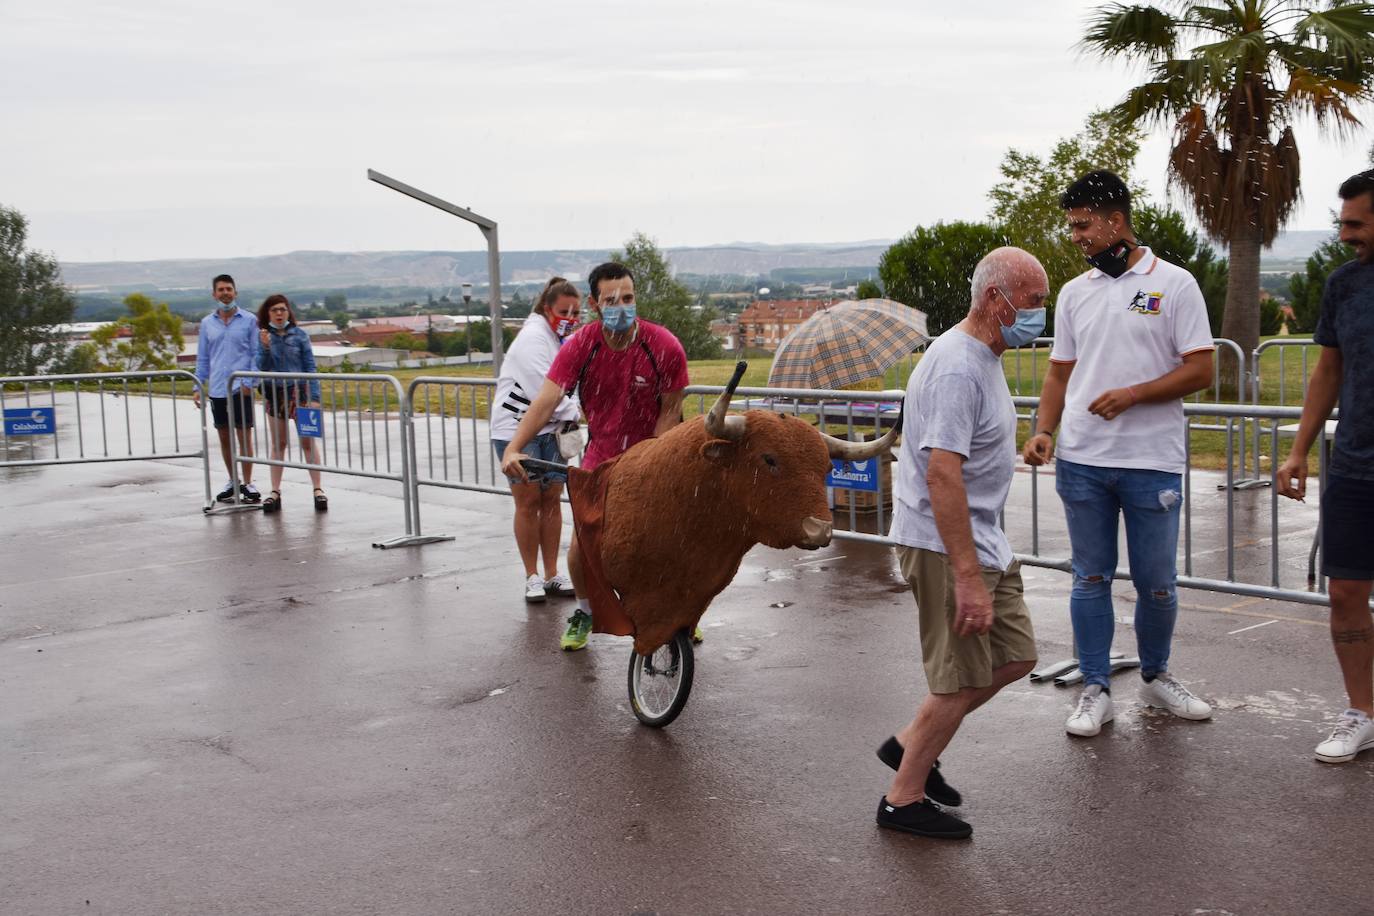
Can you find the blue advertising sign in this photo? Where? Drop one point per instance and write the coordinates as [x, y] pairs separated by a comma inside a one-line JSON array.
[[853, 475], [30, 421], [310, 422]]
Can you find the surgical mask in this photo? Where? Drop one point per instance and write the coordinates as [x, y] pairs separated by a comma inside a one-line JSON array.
[[618, 318], [1029, 324], [228, 308], [1112, 260], [278, 323]]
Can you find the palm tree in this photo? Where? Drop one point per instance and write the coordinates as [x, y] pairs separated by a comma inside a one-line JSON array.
[[1252, 69]]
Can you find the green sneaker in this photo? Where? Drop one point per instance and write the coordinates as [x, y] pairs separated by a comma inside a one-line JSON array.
[[579, 628], [698, 636]]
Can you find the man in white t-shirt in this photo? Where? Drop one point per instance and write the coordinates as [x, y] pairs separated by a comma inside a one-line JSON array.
[[957, 457], [1131, 340]]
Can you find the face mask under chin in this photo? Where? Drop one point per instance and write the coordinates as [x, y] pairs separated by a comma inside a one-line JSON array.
[[1113, 259]]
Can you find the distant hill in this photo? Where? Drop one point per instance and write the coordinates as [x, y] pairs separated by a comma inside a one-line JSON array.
[[446, 270]]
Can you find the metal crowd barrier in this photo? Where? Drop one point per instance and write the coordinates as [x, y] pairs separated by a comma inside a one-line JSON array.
[[96, 433], [365, 422], [372, 429], [1280, 346]]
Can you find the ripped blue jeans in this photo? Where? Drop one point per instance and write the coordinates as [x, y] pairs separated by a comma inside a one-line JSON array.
[[1094, 499]]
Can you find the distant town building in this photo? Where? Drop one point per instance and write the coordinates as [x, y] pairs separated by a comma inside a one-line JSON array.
[[727, 332], [413, 324], [767, 322], [368, 333]]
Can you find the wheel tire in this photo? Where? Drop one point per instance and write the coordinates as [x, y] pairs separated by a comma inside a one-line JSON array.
[[659, 684]]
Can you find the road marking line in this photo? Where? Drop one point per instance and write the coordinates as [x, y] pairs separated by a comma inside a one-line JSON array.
[[1252, 627], [842, 556]]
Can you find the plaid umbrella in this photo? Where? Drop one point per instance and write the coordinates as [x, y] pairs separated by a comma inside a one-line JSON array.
[[847, 343]]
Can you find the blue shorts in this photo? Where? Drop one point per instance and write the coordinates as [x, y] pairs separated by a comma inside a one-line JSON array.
[[545, 448]]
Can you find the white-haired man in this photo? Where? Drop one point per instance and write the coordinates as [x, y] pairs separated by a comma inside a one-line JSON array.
[[957, 458]]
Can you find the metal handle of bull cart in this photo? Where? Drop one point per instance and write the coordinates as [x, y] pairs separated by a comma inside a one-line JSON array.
[[539, 464]]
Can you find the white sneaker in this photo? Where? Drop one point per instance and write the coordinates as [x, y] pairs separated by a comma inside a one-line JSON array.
[[560, 586], [1166, 692], [1354, 732], [534, 589], [1094, 710]]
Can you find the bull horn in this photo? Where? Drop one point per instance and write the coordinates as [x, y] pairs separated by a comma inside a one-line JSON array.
[[718, 424], [862, 451]]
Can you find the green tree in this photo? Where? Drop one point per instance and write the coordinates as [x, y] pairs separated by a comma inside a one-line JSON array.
[[340, 320], [930, 269], [405, 341], [336, 302], [149, 337], [1305, 289], [867, 289], [663, 300], [1025, 202], [1231, 79], [33, 301]]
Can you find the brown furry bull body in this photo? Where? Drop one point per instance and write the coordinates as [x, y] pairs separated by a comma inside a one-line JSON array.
[[683, 509]]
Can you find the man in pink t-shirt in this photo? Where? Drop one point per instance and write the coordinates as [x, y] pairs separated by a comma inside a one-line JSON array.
[[630, 376]]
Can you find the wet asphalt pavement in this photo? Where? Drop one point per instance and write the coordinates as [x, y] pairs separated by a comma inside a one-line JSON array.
[[263, 714]]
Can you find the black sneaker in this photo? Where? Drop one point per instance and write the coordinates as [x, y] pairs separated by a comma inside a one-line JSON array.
[[923, 818], [936, 787], [249, 493], [227, 494]]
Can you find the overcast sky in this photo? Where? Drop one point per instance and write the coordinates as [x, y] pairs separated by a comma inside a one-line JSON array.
[[177, 128]]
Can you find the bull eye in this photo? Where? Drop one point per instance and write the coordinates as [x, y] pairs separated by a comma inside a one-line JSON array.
[[771, 462]]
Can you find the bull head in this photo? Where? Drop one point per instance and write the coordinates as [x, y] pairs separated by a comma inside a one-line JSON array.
[[720, 424], [726, 435]]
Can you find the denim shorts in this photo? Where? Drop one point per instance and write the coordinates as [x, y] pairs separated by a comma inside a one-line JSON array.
[[545, 448], [1347, 515]]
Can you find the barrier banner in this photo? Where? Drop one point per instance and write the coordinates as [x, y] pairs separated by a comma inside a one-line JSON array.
[[310, 422], [853, 475], [30, 421]]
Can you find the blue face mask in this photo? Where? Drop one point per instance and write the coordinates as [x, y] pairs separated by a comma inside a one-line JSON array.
[[618, 318], [1029, 324]]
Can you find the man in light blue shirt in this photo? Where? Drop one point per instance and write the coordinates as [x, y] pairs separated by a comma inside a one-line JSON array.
[[228, 343]]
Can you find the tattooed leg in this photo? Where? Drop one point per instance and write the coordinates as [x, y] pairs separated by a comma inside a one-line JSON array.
[[1352, 634]]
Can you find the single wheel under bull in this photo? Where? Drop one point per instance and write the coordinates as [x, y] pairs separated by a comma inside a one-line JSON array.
[[661, 681]]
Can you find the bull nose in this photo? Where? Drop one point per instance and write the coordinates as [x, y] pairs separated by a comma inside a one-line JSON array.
[[816, 533]]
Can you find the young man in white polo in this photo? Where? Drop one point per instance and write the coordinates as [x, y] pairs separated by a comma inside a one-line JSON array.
[[1131, 340]]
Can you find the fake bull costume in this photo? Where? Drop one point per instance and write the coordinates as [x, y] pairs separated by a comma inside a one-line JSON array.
[[663, 527]]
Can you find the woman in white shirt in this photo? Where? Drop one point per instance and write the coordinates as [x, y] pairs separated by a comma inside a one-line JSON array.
[[538, 510]]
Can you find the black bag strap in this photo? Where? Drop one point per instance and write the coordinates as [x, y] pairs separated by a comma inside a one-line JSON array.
[[653, 363]]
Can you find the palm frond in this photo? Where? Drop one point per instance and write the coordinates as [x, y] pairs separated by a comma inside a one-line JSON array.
[[1152, 103], [1225, 19], [1325, 99], [1196, 169], [1132, 32], [1235, 54], [1342, 31]]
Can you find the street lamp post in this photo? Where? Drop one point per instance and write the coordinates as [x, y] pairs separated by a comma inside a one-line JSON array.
[[467, 317], [488, 227]]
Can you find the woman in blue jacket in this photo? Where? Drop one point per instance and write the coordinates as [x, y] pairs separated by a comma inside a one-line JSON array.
[[286, 348]]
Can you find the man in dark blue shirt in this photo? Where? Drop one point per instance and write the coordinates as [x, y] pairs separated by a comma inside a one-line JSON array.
[[1345, 370]]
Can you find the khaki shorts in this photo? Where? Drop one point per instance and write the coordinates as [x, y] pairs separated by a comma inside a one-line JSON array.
[[953, 662]]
